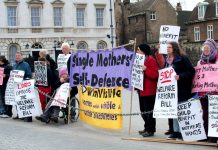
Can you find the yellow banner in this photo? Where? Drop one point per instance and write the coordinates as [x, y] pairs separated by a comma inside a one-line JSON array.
[[101, 105]]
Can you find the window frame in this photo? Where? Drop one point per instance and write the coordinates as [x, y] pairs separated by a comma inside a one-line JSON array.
[[210, 31], [80, 23], [153, 15], [101, 17], [14, 17], [39, 17], [197, 34], [61, 16], [201, 12]]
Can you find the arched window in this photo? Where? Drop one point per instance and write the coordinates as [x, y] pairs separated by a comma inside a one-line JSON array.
[[36, 46], [12, 52], [101, 45], [82, 45]]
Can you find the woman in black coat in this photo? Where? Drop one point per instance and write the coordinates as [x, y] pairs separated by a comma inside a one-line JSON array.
[[184, 75], [7, 109]]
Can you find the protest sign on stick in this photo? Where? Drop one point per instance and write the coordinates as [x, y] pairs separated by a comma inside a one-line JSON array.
[[1, 75], [166, 96], [40, 73], [213, 115], [62, 60]]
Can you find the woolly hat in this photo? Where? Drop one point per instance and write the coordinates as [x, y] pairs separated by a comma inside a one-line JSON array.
[[63, 71], [213, 51], [145, 48]]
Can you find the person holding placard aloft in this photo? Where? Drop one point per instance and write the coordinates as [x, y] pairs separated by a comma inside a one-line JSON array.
[[147, 95], [209, 56], [184, 74]]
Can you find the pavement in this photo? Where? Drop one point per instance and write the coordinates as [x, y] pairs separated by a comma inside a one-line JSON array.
[[19, 135]]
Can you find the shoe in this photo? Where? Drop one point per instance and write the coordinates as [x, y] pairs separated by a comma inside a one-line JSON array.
[[45, 120], [55, 119], [173, 136], [4, 116], [147, 134], [168, 132], [28, 119], [142, 131], [15, 117], [38, 118]]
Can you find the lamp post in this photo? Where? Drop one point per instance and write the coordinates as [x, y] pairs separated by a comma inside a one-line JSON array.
[[55, 49], [111, 26]]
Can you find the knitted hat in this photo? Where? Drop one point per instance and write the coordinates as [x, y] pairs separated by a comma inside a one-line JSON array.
[[63, 71], [213, 51], [145, 48]]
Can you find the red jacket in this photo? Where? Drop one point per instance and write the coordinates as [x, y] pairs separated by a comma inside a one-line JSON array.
[[150, 77]]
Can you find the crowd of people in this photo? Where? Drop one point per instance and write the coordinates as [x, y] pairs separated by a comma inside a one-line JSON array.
[[175, 58]]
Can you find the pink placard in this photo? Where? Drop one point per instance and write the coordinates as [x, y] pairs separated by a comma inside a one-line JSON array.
[[206, 78], [1, 75]]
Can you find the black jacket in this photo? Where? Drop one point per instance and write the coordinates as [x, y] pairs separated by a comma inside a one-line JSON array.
[[186, 72], [7, 70]]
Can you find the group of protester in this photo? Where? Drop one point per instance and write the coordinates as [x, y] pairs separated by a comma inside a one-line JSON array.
[[175, 58], [55, 77], [185, 72]]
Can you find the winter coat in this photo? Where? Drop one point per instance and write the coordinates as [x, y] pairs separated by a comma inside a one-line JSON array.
[[186, 72], [24, 66], [150, 77], [7, 70]]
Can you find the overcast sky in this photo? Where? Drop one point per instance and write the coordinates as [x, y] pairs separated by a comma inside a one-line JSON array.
[[186, 4]]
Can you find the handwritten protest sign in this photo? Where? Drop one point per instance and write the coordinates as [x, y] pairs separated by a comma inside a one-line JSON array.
[[62, 60], [27, 104], [40, 73], [102, 68], [213, 115], [10, 92], [205, 79], [61, 96], [17, 75], [168, 34], [190, 121], [166, 96], [101, 107], [1, 75], [137, 73]]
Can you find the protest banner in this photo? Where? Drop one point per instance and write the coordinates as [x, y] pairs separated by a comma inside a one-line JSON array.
[[1, 75], [168, 33], [10, 92], [137, 72], [60, 98], [166, 96], [62, 60], [26, 99], [101, 106], [190, 120], [205, 79], [17, 75], [40, 68], [102, 68], [213, 115]]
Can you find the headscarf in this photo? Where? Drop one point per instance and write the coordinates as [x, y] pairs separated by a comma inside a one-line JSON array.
[[205, 59]]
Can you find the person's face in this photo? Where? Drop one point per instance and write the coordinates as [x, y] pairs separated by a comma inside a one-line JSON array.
[[139, 51], [169, 49], [65, 50], [1, 62], [18, 57], [206, 50]]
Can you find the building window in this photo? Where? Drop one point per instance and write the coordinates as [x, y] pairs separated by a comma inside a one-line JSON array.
[[210, 31], [35, 16], [80, 16], [12, 52], [36, 46], [82, 45], [153, 15], [197, 33], [58, 16], [101, 45], [201, 11], [12, 15], [99, 17]]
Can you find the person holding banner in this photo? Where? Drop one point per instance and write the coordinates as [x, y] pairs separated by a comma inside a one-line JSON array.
[[208, 56], [184, 74], [24, 66], [6, 109], [46, 88], [147, 95], [52, 112]]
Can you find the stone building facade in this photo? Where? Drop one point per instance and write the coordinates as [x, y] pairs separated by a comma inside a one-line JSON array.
[[31, 25]]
